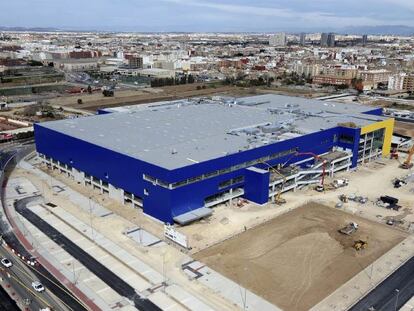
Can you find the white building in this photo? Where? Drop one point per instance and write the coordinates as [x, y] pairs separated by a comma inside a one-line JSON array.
[[310, 70], [396, 82], [278, 39], [77, 64], [150, 73]]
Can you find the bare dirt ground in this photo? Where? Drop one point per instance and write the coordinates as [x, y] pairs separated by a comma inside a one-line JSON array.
[[229, 220], [291, 91], [93, 102], [404, 128], [298, 258], [390, 103]]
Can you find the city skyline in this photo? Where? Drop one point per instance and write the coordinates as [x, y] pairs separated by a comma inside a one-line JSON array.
[[207, 15]]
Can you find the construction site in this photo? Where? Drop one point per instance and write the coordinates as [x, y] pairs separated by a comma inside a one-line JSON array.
[[298, 258], [317, 224], [293, 247], [258, 147]]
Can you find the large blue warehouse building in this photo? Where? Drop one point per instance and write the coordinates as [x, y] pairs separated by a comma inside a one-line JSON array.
[[178, 159]]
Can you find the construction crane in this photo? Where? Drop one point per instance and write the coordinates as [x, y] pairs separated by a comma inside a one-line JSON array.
[[408, 162], [278, 198], [316, 157]]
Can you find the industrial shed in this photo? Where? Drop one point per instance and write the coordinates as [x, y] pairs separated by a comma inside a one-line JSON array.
[[178, 159]]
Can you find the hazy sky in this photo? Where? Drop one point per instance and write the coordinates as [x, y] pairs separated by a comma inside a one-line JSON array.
[[205, 15]]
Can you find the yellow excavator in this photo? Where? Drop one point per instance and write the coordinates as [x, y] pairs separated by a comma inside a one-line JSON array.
[[360, 244], [408, 162]]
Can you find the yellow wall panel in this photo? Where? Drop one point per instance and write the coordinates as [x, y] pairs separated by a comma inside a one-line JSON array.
[[388, 125]]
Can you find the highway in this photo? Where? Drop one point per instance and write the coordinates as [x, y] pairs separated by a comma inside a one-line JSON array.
[[20, 278], [391, 294], [21, 275], [105, 274]]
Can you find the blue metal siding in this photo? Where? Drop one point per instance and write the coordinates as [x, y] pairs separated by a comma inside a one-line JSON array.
[[318, 142], [103, 111], [355, 133], [126, 172], [375, 112], [122, 171], [257, 186]]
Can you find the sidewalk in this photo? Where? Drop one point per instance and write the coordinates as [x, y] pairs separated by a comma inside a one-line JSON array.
[[41, 258], [173, 292], [144, 279], [409, 306]]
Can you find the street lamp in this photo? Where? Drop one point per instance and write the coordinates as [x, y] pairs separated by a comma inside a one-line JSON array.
[[91, 218], [396, 299]]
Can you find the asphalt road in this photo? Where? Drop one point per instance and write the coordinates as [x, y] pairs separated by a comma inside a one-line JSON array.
[[20, 278], [391, 294], [39, 272], [102, 272]]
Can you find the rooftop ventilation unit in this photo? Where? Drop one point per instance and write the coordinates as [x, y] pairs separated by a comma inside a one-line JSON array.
[[275, 111], [251, 131], [270, 128], [291, 105]]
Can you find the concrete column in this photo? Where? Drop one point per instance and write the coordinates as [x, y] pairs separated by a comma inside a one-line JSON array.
[[364, 150], [78, 176], [100, 186], [116, 194], [231, 194], [370, 148]]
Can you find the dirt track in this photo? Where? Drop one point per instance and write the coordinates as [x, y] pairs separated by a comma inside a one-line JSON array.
[[297, 259]]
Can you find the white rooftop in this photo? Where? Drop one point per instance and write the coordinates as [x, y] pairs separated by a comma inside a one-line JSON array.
[[180, 133]]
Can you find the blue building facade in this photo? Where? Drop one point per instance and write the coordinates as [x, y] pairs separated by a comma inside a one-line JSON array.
[[167, 193]]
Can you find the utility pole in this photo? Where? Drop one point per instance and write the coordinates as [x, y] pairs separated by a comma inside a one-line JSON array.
[[163, 270], [90, 218], [396, 299], [245, 294], [372, 271]]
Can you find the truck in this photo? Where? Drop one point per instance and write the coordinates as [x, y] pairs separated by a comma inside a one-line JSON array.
[[408, 164], [108, 91], [349, 229], [337, 183]]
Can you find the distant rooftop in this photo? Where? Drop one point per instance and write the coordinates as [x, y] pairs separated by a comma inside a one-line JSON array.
[[180, 133]]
